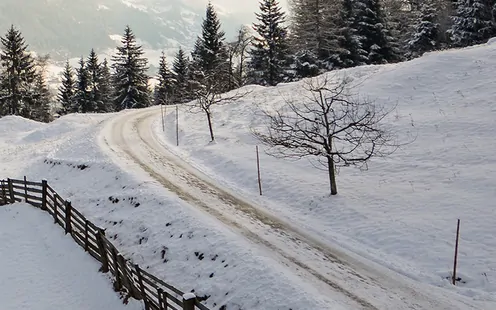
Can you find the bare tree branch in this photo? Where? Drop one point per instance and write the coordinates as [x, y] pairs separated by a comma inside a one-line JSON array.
[[331, 124]]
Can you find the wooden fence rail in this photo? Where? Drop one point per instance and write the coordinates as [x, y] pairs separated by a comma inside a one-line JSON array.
[[129, 278]]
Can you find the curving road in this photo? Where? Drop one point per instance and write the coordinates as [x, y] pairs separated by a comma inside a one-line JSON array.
[[351, 281]]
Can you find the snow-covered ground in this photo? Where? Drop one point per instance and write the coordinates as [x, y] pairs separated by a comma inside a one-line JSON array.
[[154, 228], [43, 269], [400, 214]]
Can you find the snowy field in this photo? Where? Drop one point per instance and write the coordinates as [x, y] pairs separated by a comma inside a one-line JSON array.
[[400, 214], [43, 269]]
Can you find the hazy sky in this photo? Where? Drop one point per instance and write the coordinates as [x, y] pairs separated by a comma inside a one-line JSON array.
[[244, 7]]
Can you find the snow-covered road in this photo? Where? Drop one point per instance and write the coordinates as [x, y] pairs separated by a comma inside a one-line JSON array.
[[343, 277]]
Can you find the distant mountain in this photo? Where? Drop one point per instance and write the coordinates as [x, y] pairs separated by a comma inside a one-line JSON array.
[[70, 28]]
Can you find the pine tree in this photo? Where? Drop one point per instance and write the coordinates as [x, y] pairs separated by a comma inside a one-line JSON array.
[[40, 103], [210, 63], [106, 91], [180, 70], [83, 95], [372, 33], [163, 91], [18, 75], [314, 32], [425, 35], [270, 53], [473, 22], [130, 78], [351, 54], [94, 80], [210, 47], [67, 91]]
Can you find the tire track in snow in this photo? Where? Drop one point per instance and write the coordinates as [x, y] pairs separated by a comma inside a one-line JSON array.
[[328, 269]]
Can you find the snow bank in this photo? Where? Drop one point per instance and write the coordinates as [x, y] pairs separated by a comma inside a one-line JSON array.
[[43, 269]]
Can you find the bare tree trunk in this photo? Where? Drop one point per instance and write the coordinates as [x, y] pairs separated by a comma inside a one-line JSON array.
[[332, 175], [209, 118]]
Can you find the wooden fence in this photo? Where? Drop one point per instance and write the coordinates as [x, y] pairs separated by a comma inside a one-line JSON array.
[[128, 278]]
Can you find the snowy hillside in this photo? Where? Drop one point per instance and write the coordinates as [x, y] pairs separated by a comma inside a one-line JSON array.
[[402, 212], [43, 269], [396, 221]]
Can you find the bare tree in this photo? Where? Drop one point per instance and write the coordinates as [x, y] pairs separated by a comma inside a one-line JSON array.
[[237, 52], [331, 124], [207, 95]]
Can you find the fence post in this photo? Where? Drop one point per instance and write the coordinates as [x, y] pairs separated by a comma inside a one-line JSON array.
[[126, 279], [25, 190], [189, 300], [103, 250], [4, 194], [117, 283], [162, 302], [68, 211], [11, 190], [86, 244], [44, 189], [55, 202], [142, 286]]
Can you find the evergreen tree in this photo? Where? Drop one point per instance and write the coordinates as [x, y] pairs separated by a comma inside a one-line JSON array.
[[67, 91], [314, 32], [18, 75], [351, 54], [130, 78], [94, 80], [180, 70], [210, 63], [106, 91], [372, 33], [270, 53], [41, 109], [163, 91], [425, 35], [473, 22], [83, 95], [210, 48]]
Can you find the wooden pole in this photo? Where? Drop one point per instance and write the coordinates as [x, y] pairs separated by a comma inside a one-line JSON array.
[[44, 189], [25, 189], [189, 301], [86, 242], [142, 286], [4, 193], [177, 125], [68, 211], [162, 112], [103, 250], [55, 202], [117, 283], [161, 299], [11, 190], [456, 251], [259, 175]]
